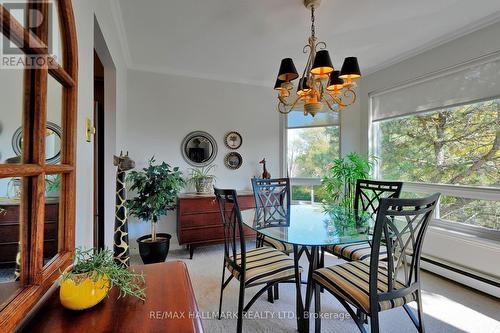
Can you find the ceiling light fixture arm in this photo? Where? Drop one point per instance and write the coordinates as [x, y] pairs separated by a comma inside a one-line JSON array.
[[285, 107]]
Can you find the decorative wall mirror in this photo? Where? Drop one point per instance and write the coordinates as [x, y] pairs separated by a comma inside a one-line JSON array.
[[52, 143], [37, 166], [199, 148]]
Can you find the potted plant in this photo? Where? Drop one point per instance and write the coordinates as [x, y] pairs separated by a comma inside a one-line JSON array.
[[340, 184], [156, 188], [202, 179], [93, 273]]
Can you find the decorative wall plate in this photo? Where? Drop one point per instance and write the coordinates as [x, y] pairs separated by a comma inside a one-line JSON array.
[[233, 140], [233, 160]]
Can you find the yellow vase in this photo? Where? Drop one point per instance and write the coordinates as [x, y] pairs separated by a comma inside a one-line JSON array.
[[83, 291]]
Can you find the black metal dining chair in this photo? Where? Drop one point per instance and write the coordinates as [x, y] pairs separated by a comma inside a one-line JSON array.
[[367, 199], [275, 195], [260, 266], [372, 286]]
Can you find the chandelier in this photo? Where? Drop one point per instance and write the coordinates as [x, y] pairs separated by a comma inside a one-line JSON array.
[[320, 83]]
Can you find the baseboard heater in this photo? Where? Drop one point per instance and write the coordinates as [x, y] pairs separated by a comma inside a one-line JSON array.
[[475, 280]]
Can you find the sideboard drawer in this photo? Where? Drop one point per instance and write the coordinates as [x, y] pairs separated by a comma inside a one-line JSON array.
[[9, 233], [201, 220], [208, 234], [196, 206], [10, 214]]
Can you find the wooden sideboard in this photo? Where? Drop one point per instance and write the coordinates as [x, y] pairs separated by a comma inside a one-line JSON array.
[[9, 230], [170, 306], [199, 222]]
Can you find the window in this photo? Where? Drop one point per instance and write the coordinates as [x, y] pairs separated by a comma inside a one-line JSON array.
[[38, 87], [311, 146], [453, 148], [457, 146]]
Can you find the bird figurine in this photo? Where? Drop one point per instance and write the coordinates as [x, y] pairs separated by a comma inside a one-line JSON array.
[[265, 173]]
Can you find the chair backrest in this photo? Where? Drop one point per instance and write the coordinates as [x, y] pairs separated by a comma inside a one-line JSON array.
[[369, 193], [401, 225], [273, 193], [233, 227]]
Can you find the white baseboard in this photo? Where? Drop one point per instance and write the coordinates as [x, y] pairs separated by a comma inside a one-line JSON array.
[[473, 280]]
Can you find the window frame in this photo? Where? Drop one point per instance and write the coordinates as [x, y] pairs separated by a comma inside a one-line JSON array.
[[462, 191], [301, 181], [36, 277]]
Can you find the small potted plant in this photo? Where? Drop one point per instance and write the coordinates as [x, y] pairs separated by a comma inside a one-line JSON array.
[[93, 273], [156, 188], [202, 179]]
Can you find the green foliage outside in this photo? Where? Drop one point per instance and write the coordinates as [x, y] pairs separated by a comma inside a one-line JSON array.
[[156, 188], [311, 151], [459, 145]]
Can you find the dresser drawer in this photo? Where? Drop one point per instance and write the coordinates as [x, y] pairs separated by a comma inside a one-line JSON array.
[[196, 206], [246, 202], [10, 214], [201, 220], [209, 204], [208, 234], [9, 233], [8, 253]]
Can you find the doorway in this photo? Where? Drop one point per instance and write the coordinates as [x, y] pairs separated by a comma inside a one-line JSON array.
[[99, 111]]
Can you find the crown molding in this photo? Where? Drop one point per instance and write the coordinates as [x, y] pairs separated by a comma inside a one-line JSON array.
[[120, 27], [193, 75], [487, 21]]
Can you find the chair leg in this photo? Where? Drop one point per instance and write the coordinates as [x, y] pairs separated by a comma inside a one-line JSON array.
[[222, 288], [276, 291], [241, 303], [374, 322], [322, 265], [270, 296], [421, 327], [363, 317], [317, 308]]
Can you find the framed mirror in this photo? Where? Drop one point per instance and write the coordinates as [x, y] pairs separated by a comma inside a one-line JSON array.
[[199, 149], [52, 143]]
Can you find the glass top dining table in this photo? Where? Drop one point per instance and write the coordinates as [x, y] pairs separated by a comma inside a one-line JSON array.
[[308, 228], [310, 225]]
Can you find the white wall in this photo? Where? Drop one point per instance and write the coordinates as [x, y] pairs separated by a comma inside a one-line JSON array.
[[462, 250], [163, 109], [85, 10]]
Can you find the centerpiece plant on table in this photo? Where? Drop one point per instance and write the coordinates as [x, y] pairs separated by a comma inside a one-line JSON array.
[[156, 188], [93, 273], [340, 183]]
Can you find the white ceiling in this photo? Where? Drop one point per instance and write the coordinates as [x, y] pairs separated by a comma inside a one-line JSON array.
[[244, 40]]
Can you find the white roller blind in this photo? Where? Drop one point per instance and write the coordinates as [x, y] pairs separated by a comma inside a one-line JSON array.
[[472, 83]]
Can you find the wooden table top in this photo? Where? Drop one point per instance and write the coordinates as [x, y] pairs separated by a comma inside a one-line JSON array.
[[170, 306]]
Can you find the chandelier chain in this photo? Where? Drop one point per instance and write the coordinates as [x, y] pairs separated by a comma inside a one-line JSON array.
[[313, 28]]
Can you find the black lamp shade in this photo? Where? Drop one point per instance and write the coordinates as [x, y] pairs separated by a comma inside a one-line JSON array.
[[277, 85], [322, 63], [303, 87], [335, 82], [287, 70], [350, 69]]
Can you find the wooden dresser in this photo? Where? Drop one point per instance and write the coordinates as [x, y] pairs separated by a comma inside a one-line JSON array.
[[9, 230], [199, 222]]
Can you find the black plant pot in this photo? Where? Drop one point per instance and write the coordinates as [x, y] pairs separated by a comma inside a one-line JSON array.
[[153, 252]]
